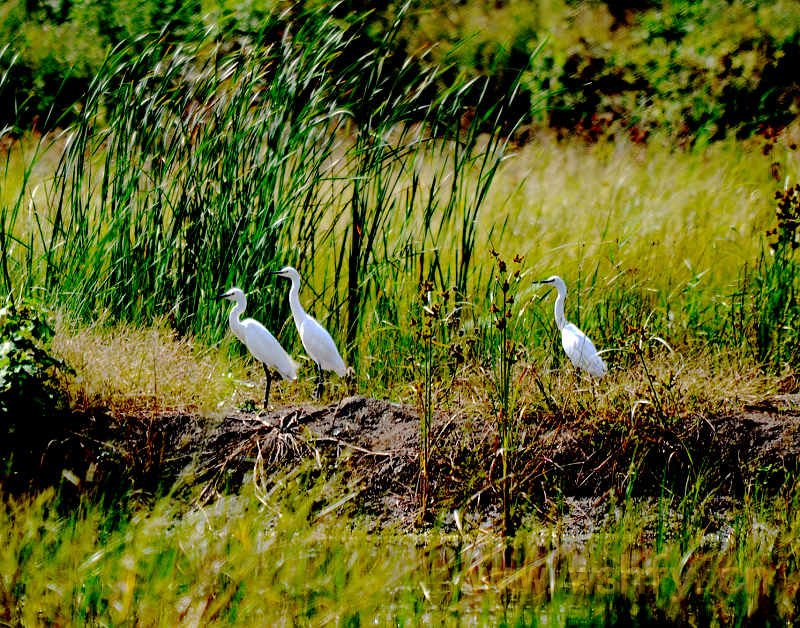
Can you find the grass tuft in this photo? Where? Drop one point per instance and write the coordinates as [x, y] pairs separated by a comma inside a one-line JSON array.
[[126, 368]]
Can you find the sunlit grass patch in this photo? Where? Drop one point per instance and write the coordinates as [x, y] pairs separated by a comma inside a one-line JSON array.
[[672, 386], [128, 368], [638, 209]]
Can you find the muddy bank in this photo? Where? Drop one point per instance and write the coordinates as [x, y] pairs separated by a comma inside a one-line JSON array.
[[373, 443]]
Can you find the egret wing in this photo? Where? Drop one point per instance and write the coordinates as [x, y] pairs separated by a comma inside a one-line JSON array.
[[265, 347], [581, 351], [320, 346]]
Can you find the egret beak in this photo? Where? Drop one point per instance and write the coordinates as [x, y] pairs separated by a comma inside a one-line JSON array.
[[541, 281], [222, 295]]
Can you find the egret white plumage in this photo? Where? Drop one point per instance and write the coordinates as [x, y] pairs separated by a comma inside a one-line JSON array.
[[316, 340], [259, 341], [579, 349]]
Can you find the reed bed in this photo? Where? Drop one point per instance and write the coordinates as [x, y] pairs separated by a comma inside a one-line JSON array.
[[192, 168]]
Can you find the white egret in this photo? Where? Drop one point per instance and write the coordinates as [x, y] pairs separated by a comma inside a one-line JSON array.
[[262, 344], [316, 340], [580, 350]]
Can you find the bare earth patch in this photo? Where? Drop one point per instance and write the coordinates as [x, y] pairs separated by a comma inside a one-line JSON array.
[[373, 443]]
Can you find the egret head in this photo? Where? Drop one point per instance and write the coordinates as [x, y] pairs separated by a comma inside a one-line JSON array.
[[556, 281], [234, 294], [288, 272]]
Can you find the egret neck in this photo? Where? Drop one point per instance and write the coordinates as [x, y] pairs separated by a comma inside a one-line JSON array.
[[298, 313], [561, 288], [235, 314], [561, 320]]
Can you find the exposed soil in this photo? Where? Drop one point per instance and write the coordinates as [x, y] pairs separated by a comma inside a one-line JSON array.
[[373, 443]]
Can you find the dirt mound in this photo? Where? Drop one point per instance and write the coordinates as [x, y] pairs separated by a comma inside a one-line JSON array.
[[376, 440], [373, 443], [760, 443]]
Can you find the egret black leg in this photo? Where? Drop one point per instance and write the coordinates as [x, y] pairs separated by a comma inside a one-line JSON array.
[[320, 383], [268, 385]]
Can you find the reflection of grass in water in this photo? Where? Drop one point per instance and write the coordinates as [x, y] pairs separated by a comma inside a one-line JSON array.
[[291, 553]]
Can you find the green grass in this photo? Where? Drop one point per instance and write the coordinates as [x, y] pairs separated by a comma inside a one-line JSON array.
[[285, 555], [191, 169], [169, 190], [148, 214]]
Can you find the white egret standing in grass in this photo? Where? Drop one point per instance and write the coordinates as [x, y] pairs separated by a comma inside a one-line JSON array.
[[262, 344], [577, 345], [317, 341]]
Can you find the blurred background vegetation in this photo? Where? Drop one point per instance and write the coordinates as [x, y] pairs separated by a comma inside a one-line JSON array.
[[695, 70]]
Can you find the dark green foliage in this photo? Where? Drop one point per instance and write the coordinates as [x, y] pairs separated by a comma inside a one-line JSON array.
[[60, 46], [694, 69], [28, 386], [765, 316]]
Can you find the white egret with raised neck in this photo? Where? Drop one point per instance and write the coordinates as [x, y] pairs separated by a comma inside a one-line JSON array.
[[577, 345], [259, 341], [316, 340]]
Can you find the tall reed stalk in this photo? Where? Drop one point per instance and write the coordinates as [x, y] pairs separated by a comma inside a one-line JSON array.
[[427, 326], [506, 355], [190, 169]]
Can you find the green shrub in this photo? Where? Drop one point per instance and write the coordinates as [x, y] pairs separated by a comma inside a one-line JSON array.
[[55, 50], [28, 384], [692, 69]]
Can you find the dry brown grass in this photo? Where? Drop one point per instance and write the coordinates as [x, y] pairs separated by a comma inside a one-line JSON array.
[[684, 384], [126, 368], [132, 369], [672, 384]]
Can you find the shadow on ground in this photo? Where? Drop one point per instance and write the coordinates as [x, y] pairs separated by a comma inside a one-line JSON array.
[[373, 443]]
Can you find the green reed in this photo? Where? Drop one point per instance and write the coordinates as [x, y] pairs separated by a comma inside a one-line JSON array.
[[194, 168], [291, 550], [194, 182]]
